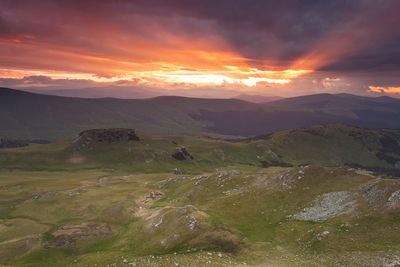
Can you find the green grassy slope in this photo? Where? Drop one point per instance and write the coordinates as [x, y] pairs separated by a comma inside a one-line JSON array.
[[220, 218], [104, 197], [328, 145], [150, 154], [336, 145]]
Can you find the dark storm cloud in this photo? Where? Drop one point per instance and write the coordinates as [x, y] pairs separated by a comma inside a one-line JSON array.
[[271, 32], [281, 31], [379, 58]]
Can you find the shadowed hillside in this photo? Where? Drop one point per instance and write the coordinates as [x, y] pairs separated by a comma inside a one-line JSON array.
[[34, 116], [335, 145]]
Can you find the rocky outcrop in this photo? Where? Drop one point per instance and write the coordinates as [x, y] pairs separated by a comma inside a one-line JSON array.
[[394, 200], [89, 139], [109, 135], [182, 154], [375, 192], [68, 235], [177, 171]]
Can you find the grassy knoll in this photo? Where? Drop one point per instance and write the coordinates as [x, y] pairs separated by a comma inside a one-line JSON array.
[[90, 202]]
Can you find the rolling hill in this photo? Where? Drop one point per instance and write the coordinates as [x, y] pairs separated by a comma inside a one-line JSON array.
[[35, 116], [326, 145], [119, 197], [334, 145], [257, 98]]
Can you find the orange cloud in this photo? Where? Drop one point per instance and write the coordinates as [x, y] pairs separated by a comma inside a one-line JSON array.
[[196, 63], [156, 50], [159, 50], [387, 90]]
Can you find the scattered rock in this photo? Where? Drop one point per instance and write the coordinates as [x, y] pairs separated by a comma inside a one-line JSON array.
[[155, 195], [327, 206], [280, 180], [229, 172], [143, 204], [230, 192], [193, 222], [322, 235], [235, 172], [394, 200], [174, 225], [374, 193], [392, 264], [187, 215], [42, 195]]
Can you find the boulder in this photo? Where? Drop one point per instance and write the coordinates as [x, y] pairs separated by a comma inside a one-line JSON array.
[[182, 154], [177, 171]]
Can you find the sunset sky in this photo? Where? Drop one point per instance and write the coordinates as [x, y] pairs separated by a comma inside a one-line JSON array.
[[207, 48]]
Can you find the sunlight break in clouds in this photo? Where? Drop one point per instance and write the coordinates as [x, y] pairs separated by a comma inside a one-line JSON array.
[[170, 76], [261, 47], [382, 89]]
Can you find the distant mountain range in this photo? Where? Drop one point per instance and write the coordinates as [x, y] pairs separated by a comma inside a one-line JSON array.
[[99, 92], [140, 93], [37, 116], [258, 98]]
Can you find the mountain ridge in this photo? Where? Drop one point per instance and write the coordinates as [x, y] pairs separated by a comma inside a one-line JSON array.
[[37, 116]]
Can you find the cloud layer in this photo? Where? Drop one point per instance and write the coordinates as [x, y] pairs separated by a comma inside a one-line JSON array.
[[192, 45]]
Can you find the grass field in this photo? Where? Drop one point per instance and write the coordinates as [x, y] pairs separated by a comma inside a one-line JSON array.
[[240, 215], [83, 202]]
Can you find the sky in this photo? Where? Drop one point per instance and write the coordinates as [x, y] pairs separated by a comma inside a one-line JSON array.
[[204, 48]]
